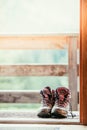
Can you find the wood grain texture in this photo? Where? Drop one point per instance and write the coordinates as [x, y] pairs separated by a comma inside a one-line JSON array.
[[73, 72], [35, 42], [33, 70], [20, 97], [83, 62]]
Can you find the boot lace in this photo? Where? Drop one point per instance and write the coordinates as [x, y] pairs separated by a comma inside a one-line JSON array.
[[46, 101], [72, 115], [62, 100]]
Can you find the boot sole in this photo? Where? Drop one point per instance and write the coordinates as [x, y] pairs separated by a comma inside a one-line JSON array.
[[44, 115], [59, 113]]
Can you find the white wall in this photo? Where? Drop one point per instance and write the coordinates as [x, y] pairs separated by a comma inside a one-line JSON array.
[[39, 16]]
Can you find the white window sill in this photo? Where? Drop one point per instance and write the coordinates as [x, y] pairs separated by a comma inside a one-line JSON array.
[[30, 117]]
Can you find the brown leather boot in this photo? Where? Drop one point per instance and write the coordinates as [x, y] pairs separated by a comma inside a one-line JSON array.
[[61, 106], [47, 102]]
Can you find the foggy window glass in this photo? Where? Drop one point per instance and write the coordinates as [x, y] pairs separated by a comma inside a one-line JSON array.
[[36, 18], [39, 16]]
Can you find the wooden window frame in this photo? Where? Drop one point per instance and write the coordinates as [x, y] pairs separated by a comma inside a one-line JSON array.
[[83, 62]]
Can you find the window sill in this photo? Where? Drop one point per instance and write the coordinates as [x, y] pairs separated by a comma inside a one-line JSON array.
[[30, 117]]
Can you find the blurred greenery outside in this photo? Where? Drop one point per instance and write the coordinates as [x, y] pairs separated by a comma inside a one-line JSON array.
[[31, 82]]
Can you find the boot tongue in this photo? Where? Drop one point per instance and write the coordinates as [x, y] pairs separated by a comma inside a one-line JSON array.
[[46, 93], [63, 95]]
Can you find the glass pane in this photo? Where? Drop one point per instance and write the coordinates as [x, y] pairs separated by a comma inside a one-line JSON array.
[[30, 17], [39, 16]]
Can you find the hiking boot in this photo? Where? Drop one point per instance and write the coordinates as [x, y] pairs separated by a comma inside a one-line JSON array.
[[47, 102], [61, 106]]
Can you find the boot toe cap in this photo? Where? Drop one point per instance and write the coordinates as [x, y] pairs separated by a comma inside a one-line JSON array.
[[44, 113], [59, 112]]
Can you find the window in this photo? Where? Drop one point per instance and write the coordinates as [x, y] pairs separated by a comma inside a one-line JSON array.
[[17, 37]]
